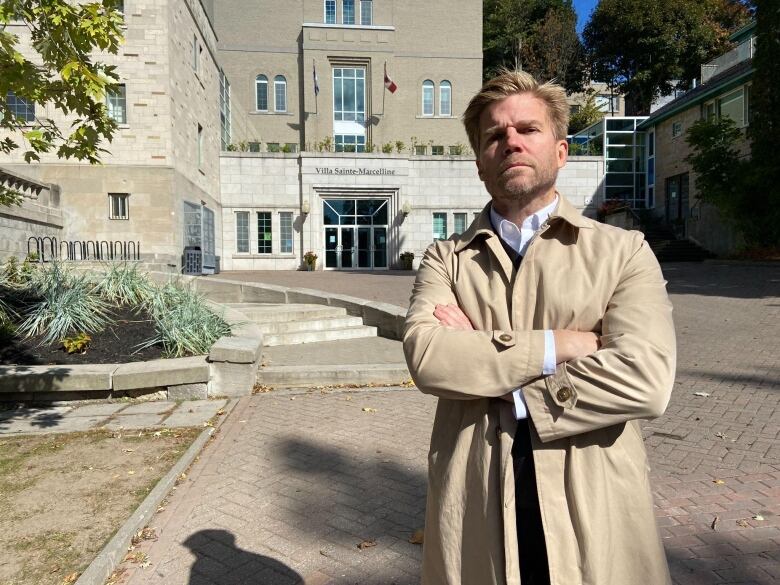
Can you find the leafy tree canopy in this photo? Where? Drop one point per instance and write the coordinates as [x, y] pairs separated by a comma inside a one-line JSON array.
[[46, 57], [645, 47], [538, 36]]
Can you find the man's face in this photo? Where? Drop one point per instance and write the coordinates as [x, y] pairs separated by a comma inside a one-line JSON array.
[[519, 156]]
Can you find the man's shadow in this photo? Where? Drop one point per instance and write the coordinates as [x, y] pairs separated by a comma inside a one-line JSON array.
[[219, 561]]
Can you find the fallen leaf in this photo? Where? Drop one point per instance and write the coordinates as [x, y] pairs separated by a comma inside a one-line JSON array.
[[129, 450], [221, 411], [417, 537], [702, 394], [721, 435], [758, 517], [130, 472], [718, 481], [714, 524], [54, 569], [366, 544], [72, 578], [145, 564], [368, 409], [348, 398], [743, 522], [208, 423]]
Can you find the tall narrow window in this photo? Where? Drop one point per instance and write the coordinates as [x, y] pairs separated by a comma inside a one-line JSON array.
[[242, 232], [20, 107], [116, 103], [118, 206], [280, 94], [264, 232], [427, 98], [195, 53], [348, 12], [330, 11], [261, 93], [200, 145], [285, 232], [349, 102], [460, 222], [439, 226], [366, 12], [445, 98], [224, 111]]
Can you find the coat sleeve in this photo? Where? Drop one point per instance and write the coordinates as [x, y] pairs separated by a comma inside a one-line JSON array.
[[630, 376], [458, 364]]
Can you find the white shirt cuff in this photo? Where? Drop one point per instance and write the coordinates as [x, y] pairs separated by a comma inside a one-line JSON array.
[[550, 359], [521, 410]]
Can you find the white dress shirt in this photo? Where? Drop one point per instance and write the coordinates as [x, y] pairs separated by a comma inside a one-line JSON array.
[[518, 238]]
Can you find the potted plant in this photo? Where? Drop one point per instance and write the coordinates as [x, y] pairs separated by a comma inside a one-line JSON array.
[[311, 260], [406, 260]]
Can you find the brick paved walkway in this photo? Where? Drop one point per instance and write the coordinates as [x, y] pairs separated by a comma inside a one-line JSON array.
[[293, 483]]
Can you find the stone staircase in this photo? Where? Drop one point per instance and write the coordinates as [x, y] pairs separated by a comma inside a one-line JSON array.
[[292, 324], [667, 248]]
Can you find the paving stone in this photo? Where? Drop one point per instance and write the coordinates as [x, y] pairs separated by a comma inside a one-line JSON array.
[[148, 408], [134, 421], [102, 409]]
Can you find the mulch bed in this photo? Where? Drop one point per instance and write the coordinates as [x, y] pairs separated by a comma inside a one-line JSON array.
[[117, 344]]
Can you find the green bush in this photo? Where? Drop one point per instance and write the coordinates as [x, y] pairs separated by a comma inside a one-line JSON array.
[[123, 284], [184, 323]]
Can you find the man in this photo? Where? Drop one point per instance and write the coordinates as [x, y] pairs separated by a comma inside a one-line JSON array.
[[546, 336]]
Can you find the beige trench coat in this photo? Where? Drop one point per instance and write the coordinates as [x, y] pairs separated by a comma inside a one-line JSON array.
[[590, 461]]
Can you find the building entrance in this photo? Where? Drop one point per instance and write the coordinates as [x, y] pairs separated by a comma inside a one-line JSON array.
[[355, 233]]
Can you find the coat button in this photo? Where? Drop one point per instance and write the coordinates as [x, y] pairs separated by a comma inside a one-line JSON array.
[[564, 394], [505, 337]]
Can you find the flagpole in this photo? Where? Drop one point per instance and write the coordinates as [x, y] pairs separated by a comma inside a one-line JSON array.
[[316, 93], [384, 89]]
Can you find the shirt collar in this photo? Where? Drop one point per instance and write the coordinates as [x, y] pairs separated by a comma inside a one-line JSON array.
[[516, 237]]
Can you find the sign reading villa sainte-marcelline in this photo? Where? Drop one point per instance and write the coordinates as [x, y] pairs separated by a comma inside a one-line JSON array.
[[357, 171]]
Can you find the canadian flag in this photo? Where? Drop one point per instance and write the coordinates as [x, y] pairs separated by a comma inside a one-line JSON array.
[[389, 83]]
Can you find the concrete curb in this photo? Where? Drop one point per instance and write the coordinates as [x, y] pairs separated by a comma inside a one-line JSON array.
[[112, 554]]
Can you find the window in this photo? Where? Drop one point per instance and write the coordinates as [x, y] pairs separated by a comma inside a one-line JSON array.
[[445, 98], [420, 149], [261, 93], [116, 103], [242, 232], [709, 111], [254, 147], [118, 205], [285, 232], [20, 107], [196, 50], [350, 143], [274, 147], [437, 150], [348, 12], [290, 147], [224, 111], [366, 12], [439, 226], [427, 98], [330, 11], [200, 145], [349, 101], [280, 94], [607, 103], [574, 109], [733, 106], [455, 150], [676, 129], [264, 232], [748, 104], [460, 222]]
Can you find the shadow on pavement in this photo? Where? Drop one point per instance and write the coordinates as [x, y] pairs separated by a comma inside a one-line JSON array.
[[722, 562], [730, 280], [215, 550]]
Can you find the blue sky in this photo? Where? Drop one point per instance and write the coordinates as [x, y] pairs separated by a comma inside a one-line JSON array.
[[583, 9]]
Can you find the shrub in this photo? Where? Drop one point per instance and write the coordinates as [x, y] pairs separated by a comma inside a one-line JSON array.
[[62, 304], [183, 322], [123, 284]]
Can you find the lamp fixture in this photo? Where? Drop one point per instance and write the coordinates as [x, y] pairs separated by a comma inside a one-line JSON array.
[[406, 208], [305, 207]]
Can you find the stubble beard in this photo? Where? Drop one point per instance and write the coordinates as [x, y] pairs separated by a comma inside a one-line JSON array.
[[523, 190]]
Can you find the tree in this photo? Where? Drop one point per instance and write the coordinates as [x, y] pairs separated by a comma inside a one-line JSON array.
[[538, 36], [53, 66], [764, 126], [647, 47], [589, 113]]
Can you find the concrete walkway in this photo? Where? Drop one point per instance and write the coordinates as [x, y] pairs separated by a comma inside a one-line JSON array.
[[295, 483], [109, 415]]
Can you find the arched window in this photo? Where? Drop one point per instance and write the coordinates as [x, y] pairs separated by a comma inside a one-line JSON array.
[[280, 94], [427, 98], [445, 98], [261, 93]]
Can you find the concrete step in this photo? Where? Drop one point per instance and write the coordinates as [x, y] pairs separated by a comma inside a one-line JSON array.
[[327, 375], [280, 312], [316, 336], [330, 323]]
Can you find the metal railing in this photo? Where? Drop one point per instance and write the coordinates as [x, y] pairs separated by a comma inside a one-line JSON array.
[[48, 248], [741, 52]]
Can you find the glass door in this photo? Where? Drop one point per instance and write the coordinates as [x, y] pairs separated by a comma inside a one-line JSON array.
[[347, 247], [355, 233]]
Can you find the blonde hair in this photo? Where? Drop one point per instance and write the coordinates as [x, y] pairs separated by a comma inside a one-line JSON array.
[[508, 83]]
